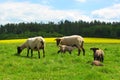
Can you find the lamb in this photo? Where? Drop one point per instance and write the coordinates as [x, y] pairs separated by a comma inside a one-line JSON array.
[[98, 54], [96, 63], [72, 40], [64, 48], [35, 43]]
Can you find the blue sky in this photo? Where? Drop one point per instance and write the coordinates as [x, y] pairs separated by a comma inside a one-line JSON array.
[[16, 11]]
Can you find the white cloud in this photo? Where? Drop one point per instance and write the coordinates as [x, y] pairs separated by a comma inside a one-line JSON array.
[[15, 12], [20, 12], [110, 13]]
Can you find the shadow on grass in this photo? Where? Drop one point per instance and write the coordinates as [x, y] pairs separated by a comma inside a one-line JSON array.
[[24, 56]]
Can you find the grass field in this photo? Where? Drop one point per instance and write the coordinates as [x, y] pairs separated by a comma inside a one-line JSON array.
[[59, 66]]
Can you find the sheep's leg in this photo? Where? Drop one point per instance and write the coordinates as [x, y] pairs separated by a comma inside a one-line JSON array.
[[83, 48], [98, 58], [27, 52], [43, 53], [83, 51], [38, 54], [79, 52], [102, 59], [31, 53]]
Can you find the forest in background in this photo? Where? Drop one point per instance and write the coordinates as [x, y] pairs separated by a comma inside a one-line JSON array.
[[62, 28]]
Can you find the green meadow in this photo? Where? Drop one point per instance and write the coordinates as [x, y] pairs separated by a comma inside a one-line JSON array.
[[59, 66]]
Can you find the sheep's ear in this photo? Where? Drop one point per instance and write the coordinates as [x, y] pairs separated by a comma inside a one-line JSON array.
[[18, 47], [57, 39], [97, 48], [19, 50], [91, 48]]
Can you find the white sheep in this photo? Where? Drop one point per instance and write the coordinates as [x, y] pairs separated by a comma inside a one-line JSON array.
[[64, 48], [72, 40], [98, 54], [35, 43]]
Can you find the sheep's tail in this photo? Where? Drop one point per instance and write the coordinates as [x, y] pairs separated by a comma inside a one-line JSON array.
[[82, 43], [83, 48]]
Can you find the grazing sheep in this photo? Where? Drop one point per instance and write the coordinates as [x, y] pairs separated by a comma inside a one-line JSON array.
[[35, 43], [64, 48], [96, 63], [72, 40], [98, 54]]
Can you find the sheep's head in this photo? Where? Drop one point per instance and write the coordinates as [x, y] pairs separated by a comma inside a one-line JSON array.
[[42, 44], [58, 41], [94, 49], [19, 50]]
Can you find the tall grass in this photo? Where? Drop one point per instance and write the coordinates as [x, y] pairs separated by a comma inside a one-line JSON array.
[[58, 66]]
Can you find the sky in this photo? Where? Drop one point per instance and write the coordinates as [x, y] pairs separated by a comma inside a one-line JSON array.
[[17, 11]]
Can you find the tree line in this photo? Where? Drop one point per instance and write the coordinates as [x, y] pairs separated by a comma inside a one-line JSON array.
[[62, 28]]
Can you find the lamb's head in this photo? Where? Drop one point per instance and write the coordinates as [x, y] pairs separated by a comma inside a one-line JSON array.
[[19, 50], [94, 49], [58, 41]]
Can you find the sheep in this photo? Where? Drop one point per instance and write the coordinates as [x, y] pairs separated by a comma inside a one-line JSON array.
[[96, 63], [72, 40], [35, 43], [98, 54], [64, 48]]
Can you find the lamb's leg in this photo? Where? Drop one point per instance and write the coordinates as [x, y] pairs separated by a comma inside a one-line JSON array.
[[94, 58], [69, 52], [59, 51], [64, 51]]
